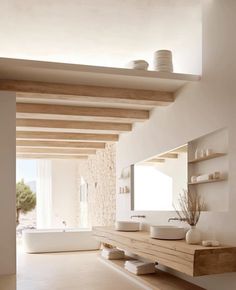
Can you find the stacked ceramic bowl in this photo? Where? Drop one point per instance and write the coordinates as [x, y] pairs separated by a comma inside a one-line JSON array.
[[163, 61], [138, 64]]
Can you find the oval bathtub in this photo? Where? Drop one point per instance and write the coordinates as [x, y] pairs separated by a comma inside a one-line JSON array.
[[56, 240]]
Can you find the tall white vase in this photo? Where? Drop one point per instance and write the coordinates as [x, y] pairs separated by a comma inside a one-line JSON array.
[[193, 236]]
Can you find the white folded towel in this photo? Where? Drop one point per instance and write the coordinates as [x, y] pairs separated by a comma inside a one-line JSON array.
[[204, 177], [112, 254], [139, 268]]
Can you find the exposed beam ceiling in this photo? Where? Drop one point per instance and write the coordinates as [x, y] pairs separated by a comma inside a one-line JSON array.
[[60, 144], [34, 135], [60, 105]]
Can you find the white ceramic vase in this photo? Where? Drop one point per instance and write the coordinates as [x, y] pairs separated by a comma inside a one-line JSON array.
[[193, 236]]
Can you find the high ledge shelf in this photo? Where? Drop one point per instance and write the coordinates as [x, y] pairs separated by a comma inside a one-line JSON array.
[[76, 74]]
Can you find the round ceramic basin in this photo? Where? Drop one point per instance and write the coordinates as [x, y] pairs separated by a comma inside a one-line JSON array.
[[127, 226], [167, 232]]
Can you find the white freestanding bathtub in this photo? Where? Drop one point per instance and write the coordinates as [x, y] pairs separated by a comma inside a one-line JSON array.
[[56, 240]]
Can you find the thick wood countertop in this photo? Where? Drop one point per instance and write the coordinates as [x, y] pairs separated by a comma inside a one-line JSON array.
[[193, 260]]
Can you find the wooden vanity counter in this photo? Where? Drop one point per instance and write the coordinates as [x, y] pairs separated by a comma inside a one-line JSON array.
[[193, 260]]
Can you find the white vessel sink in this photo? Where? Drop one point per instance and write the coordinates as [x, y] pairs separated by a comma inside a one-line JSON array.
[[167, 232], [127, 226]]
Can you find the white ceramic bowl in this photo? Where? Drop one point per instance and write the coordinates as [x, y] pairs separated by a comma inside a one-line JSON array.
[[163, 52], [127, 226], [139, 64], [167, 232]]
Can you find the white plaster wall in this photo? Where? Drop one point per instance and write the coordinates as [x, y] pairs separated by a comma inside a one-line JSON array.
[[64, 193], [8, 183], [99, 172], [199, 109], [104, 32]]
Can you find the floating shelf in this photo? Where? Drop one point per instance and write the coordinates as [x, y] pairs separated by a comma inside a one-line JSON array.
[[123, 192], [157, 281], [208, 181], [212, 156]]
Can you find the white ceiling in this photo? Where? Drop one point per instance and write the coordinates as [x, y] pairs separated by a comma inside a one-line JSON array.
[[102, 32]]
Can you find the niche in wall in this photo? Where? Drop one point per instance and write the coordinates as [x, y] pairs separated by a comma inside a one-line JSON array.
[[214, 192]]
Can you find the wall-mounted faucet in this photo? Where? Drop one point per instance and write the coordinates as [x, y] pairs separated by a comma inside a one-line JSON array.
[[176, 219], [138, 216], [64, 223]]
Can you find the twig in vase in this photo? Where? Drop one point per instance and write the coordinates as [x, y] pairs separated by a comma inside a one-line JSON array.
[[191, 205]]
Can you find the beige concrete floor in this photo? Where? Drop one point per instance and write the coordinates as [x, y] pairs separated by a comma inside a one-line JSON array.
[[8, 282], [68, 271]]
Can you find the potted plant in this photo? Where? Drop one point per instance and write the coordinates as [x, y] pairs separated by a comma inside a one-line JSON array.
[[190, 207], [25, 199]]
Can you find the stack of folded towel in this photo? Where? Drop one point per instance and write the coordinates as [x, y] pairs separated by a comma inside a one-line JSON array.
[[112, 254], [204, 177], [139, 268]]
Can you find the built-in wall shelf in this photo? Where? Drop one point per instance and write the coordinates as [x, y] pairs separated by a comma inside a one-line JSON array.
[[211, 156], [208, 181], [193, 260], [214, 146], [157, 281]]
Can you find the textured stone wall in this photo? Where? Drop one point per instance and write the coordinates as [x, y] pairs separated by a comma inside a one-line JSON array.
[[99, 173]]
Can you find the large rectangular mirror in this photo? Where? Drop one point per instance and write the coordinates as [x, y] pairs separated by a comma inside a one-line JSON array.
[[158, 181]]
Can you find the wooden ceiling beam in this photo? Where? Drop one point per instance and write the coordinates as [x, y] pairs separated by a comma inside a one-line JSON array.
[[62, 151], [35, 135], [60, 144], [76, 111], [168, 155], [181, 149], [49, 156], [43, 90], [63, 124], [156, 160]]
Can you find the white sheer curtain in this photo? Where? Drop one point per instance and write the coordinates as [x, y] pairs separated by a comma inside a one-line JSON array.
[[44, 194]]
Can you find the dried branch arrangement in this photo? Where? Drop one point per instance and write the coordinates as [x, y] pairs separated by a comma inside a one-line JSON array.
[[191, 205]]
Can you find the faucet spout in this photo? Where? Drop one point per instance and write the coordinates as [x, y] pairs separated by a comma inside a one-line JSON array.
[[138, 216], [64, 223], [176, 219]]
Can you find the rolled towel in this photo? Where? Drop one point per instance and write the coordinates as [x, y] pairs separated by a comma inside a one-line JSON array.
[[112, 254], [141, 271], [140, 268]]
